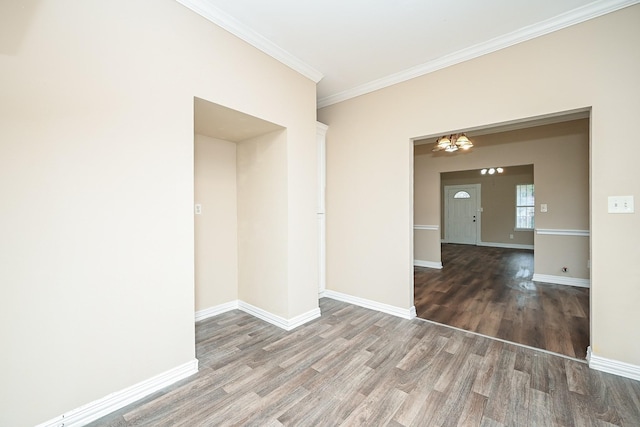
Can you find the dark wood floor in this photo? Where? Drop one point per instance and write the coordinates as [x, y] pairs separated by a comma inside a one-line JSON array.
[[490, 291], [355, 366]]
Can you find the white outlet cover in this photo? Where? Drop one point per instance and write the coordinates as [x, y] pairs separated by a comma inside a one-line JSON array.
[[620, 204]]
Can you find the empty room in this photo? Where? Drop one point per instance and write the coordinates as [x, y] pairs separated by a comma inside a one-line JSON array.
[[212, 210]]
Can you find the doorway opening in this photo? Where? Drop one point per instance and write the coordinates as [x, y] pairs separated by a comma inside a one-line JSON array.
[[483, 276]]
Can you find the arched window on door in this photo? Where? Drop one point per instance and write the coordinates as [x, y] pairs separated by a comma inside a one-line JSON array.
[[462, 195]]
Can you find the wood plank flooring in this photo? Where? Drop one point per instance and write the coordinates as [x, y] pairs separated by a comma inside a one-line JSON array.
[[490, 291], [358, 367]]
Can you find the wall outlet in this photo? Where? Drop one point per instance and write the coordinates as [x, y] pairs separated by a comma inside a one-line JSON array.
[[511, 236], [620, 204], [198, 209]]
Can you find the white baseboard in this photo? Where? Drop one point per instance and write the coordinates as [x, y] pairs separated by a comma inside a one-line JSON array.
[[281, 322], [562, 280], [412, 312], [429, 264], [505, 245], [614, 367], [405, 313], [215, 310], [92, 411]]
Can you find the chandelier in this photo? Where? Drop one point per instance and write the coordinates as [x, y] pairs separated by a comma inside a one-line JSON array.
[[452, 143]]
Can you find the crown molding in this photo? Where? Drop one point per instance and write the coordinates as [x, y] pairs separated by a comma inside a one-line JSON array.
[[235, 27], [576, 16]]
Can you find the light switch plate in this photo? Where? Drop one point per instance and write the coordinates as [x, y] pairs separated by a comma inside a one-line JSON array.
[[620, 204]]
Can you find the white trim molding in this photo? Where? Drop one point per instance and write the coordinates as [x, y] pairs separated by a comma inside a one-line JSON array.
[[614, 367], [215, 310], [405, 313], [281, 322], [426, 227], [428, 264], [576, 16], [211, 13], [92, 411], [505, 245], [561, 232], [562, 280]]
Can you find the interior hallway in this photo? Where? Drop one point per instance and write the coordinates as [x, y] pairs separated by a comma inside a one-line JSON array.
[[490, 291]]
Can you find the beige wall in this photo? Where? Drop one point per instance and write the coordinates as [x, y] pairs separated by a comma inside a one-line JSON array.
[[216, 228], [498, 201], [369, 160], [262, 222], [97, 178]]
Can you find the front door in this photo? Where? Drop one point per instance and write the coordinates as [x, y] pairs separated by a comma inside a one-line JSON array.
[[462, 213]]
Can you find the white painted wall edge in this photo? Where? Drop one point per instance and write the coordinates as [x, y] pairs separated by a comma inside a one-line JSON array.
[[505, 245], [611, 366], [562, 232], [405, 313], [561, 280], [426, 227], [114, 401], [428, 264], [281, 322]]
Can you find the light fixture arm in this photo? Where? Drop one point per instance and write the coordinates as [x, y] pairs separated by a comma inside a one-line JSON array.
[[452, 143]]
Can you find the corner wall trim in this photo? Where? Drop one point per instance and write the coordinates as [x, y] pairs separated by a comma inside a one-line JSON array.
[[561, 232], [614, 367], [561, 280], [505, 245], [114, 401], [215, 310], [281, 322], [426, 227], [428, 264], [576, 16], [238, 29], [405, 313]]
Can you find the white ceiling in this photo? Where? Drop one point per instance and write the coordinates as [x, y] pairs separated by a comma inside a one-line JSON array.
[[356, 46]]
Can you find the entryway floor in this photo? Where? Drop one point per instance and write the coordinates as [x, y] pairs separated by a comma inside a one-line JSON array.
[[489, 291]]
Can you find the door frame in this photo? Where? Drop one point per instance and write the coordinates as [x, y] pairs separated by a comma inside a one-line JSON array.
[[478, 209], [321, 147]]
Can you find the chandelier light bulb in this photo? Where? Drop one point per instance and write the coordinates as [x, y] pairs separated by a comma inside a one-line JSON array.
[[452, 143]]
